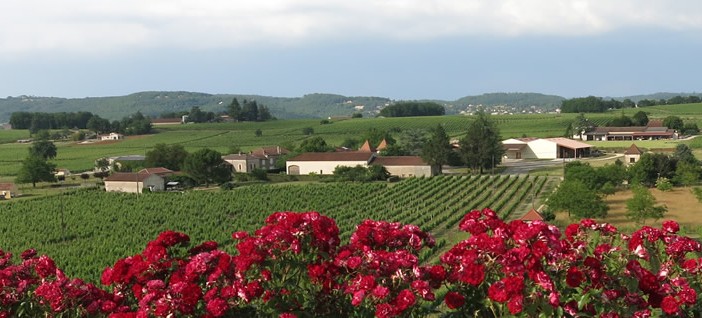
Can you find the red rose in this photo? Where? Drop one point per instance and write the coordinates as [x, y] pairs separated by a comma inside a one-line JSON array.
[[454, 300], [670, 305]]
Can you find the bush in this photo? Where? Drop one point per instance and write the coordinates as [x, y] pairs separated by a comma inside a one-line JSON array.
[[664, 184], [295, 266], [259, 174], [307, 131]]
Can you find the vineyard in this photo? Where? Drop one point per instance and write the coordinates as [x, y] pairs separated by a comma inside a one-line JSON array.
[[100, 226]]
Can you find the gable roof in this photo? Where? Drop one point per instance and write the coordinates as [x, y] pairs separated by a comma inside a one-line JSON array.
[[633, 150], [129, 177], [8, 187], [383, 144], [569, 143], [532, 215], [161, 171], [399, 161], [270, 151], [333, 156], [366, 147]]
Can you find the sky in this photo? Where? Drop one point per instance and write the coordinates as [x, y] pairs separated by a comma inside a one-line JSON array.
[[400, 49]]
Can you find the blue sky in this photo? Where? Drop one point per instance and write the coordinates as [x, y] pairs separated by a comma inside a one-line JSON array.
[[401, 49]]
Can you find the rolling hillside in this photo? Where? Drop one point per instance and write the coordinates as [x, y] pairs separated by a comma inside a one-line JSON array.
[[308, 106]]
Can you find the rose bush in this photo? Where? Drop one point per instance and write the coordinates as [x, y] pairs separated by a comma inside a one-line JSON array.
[[295, 266]]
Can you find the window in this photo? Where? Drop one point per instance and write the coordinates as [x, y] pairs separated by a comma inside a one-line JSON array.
[[632, 160]]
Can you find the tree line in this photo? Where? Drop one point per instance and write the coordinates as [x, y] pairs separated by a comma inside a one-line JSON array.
[[135, 124], [248, 111], [592, 104], [408, 109]]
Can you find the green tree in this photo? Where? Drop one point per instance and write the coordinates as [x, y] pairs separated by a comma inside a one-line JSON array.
[[308, 131], [412, 141], [167, 156], [36, 169], [207, 166], [259, 132], [437, 149], [43, 148], [234, 110], [683, 153], [643, 206], [640, 118], [482, 146], [687, 174], [375, 136], [673, 122], [582, 125], [314, 144], [574, 197], [102, 164]]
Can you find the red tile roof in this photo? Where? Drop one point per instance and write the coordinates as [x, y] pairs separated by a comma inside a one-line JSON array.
[[8, 186], [532, 215], [127, 177], [399, 161], [633, 150], [270, 151], [366, 147], [333, 156]]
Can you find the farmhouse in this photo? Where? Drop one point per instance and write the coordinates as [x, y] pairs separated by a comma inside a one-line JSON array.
[[112, 136], [134, 182], [651, 132], [532, 215], [263, 158], [8, 191], [324, 163], [544, 148], [633, 154]]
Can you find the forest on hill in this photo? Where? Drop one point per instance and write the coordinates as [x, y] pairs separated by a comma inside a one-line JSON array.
[[155, 103]]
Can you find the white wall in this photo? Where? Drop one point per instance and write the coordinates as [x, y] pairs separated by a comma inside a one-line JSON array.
[[322, 167], [409, 171], [541, 149]]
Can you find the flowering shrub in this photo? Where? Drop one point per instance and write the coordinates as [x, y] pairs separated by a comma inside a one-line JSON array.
[[295, 266]]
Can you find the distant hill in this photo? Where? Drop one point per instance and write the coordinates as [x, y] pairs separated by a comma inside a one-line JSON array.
[[309, 106], [517, 100], [656, 96]]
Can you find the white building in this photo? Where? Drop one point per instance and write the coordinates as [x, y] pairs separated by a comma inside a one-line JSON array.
[[324, 163], [545, 148], [112, 136], [134, 182]]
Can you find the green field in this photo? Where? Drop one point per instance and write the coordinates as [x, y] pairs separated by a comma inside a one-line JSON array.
[[102, 226], [80, 157]]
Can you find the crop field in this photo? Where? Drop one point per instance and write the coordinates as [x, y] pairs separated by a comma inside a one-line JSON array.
[[221, 136], [101, 226]]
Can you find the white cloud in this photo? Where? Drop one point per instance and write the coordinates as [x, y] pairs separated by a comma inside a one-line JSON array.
[[104, 26]]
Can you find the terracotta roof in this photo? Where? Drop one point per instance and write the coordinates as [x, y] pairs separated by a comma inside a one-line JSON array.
[[161, 171], [399, 161], [270, 150], [532, 215], [8, 186], [633, 150], [383, 144], [569, 143], [366, 147], [655, 123], [333, 156], [128, 177]]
